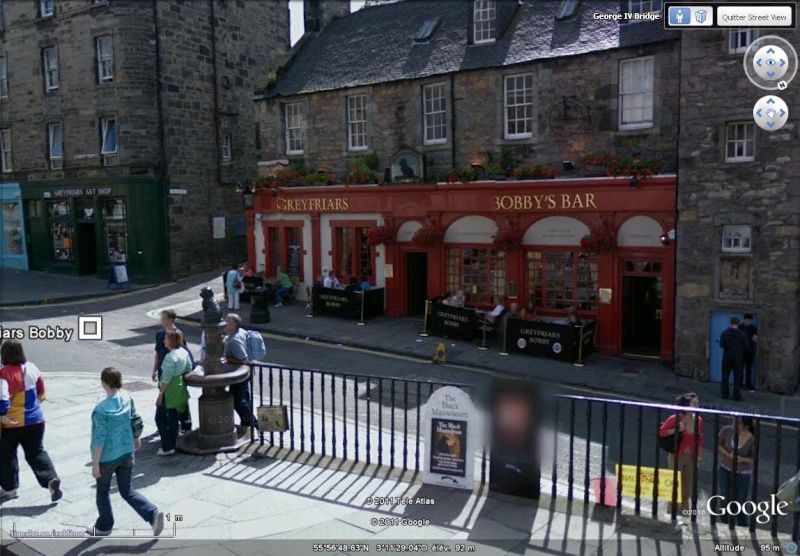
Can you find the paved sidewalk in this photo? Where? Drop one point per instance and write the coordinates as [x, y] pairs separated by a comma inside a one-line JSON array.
[[28, 287], [604, 375], [267, 501]]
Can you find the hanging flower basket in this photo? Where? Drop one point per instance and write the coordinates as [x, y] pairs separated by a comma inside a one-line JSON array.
[[507, 239], [598, 164], [534, 172], [382, 235], [600, 239], [430, 235]]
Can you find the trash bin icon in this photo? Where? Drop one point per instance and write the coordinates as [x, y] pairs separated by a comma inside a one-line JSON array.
[[700, 16]]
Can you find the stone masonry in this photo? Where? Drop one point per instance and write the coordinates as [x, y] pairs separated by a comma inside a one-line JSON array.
[[587, 85], [211, 56], [761, 193]]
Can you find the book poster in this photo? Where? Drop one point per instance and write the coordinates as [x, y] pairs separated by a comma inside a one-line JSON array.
[[449, 452]]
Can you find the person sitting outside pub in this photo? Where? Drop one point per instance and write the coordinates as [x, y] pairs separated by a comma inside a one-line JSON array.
[[352, 286], [283, 285], [529, 311], [573, 319], [513, 312], [319, 281], [497, 311], [365, 285], [331, 281], [456, 300]]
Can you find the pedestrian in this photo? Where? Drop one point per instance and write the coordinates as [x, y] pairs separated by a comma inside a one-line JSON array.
[[751, 330], [689, 448], [736, 445], [168, 317], [116, 428], [233, 285], [173, 396], [735, 347], [236, 354], [22, 423], [283, 285]]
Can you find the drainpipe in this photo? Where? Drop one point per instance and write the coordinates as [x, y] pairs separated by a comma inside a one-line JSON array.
[[162, 134], [453, 120], [216, 121]]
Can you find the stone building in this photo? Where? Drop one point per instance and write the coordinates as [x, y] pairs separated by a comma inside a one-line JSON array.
[[401, 94], [126, 126], [738, 232]]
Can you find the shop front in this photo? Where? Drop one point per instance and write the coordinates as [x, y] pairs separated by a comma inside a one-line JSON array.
[[83, 227], [519, 241], [13, 251]]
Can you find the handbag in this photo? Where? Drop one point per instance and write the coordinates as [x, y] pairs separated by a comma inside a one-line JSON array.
[[176, 396], [671, 442]]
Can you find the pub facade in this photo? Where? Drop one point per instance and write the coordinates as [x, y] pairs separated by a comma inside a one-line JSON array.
[[629, 290]]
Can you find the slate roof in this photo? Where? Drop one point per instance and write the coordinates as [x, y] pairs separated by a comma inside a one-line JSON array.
[[376, 44]]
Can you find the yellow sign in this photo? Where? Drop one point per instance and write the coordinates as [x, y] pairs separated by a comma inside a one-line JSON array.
[[626, 475], [440, 356], [312, 205], [563, 201]]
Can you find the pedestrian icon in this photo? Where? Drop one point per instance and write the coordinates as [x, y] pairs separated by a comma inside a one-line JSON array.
[[700, 16], [681, 15]]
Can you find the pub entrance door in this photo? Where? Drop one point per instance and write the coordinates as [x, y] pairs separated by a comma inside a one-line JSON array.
[[416, 282], [641, 308]]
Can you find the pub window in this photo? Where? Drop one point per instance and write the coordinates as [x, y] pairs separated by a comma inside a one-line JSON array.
[[61, 229], [115, 231], [737, 239], [519, 106], [12, 228], [434, 104], [284, 246], [480, 272], [562, 280], [353, 256]]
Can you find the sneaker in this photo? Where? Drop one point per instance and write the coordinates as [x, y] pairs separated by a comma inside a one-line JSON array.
[[158, 523], [279, 305], [54, 486], [167, 453], [8, 494], [95, 532]]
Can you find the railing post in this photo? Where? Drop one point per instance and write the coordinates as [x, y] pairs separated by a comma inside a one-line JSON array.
[[504, 351], [363, 297], [425, 333], [483, 347], [579, 362]]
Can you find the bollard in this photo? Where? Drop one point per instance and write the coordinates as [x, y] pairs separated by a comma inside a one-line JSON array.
[[504, 351], [259, 308], [483, 347], [363, 297], [424, 333], [579, 362]]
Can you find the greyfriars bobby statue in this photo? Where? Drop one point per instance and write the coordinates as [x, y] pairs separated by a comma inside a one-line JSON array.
[[212, 314]]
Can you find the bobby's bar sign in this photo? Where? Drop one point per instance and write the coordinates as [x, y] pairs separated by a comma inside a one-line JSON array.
[[551, 201], [311, 205]]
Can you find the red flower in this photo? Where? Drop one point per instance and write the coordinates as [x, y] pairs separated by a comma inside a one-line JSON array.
[[600, 239], [507, 239], [430, 235], [382, 235]]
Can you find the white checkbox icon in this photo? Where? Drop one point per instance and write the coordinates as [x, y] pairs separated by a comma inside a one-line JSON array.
[[90, 328]]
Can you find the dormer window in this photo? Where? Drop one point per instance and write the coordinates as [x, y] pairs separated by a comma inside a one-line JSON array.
[[484, 21], [427, 30]]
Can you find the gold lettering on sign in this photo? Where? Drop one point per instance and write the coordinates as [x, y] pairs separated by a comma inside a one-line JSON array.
[[565, 201], [312, 205]]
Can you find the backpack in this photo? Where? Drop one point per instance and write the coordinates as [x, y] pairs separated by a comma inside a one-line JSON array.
[[256, 350]]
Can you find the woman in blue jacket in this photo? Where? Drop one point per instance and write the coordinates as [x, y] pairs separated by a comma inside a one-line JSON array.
[[113, 444]]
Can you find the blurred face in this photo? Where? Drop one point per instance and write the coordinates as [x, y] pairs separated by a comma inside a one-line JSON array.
[[166, 322], [515, 307], [460, 293], [694, 402], [748, 321], [230, 325]]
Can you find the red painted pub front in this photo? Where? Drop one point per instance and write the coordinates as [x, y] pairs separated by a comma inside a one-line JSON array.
[[627, 284]]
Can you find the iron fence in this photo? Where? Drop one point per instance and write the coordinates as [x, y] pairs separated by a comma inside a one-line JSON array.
[[377, 420]]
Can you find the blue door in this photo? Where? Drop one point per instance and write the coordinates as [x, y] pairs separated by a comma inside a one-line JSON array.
[[720, 321]]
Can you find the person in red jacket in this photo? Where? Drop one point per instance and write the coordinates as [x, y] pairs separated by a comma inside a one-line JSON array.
[[688, 424], [22, 422]]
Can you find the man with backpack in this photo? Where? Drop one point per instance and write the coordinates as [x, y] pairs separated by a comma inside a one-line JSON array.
[[241, 347]]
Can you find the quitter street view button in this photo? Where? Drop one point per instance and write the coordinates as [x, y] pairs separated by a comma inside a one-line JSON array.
[[754, 16]]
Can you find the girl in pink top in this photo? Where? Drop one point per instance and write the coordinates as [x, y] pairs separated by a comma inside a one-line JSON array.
[[684, 457]]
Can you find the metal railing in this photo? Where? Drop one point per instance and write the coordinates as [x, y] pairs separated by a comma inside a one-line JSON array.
[[377, 420]]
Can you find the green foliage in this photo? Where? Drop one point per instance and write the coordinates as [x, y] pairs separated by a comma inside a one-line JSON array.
[[368, 162]]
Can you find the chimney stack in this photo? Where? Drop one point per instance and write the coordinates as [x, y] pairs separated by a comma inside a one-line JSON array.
[[318, 13]]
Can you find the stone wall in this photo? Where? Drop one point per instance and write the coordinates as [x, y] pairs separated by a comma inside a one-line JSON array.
[[251, 39], [587, 85], [762, 193]]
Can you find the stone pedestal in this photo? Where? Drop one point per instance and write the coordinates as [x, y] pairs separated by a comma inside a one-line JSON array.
[[217, 431]]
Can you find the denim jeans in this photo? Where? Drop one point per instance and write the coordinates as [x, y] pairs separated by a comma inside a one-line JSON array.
[[241, 403], [279, 291], [742, 490], [123, 470], [168, 423]]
